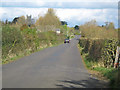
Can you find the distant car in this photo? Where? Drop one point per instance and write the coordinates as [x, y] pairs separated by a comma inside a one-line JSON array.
[[66, 41]]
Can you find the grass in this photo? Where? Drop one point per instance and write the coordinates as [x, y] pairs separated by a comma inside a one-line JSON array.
[[110, 73], [99, 48], [27, 53], [17, 43]]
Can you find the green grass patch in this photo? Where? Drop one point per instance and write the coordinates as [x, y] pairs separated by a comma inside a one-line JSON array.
[[111, 73], [18, 43], [20, 55]]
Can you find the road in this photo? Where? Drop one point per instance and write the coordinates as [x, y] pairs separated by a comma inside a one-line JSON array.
[[55, 67]]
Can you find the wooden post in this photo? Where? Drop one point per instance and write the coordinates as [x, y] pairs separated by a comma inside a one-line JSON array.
[[117, 57]]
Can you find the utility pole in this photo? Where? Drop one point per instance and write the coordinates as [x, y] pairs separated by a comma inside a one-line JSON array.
[[117, 57]]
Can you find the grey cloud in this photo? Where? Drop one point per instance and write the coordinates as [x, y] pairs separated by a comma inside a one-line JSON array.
[[89, 5]]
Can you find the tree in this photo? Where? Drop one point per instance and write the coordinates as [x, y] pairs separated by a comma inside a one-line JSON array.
[[91, 23], [51, 11], [111, 26], [50, 18], [39, 21], [15, 20], [64, 23], [6, 21], [76, 27], [19, 20], [29, 20]]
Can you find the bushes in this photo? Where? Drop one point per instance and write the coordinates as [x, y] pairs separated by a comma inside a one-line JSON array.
[[16, 41], [100, 50], [99, 55], [92, 30], [102, 42], [109, 52], [23, 27], [10, 38], [19, 38], [95, 49]]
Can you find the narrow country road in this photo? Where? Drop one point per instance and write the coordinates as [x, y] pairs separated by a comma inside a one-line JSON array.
[[55, 67]]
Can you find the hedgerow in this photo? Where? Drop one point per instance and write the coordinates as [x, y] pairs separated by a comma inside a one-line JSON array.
[[16, 41]]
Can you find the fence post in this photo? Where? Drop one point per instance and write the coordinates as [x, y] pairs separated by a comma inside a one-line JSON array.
[[117, 57]]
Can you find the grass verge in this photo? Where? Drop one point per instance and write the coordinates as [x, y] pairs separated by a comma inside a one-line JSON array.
[[107, 74], [27, 53]]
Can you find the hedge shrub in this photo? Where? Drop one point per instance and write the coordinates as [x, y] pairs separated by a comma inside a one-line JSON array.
[[15, 41], [100, 49]]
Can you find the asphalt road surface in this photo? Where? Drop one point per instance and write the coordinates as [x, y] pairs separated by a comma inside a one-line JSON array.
[[55, 67]]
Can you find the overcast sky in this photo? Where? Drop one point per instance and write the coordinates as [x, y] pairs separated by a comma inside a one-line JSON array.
[[72, 11]]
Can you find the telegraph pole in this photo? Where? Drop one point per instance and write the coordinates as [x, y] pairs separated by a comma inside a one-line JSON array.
[[117, 57]]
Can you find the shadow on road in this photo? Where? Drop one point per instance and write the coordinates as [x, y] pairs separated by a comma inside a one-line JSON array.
[[90, 83]]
